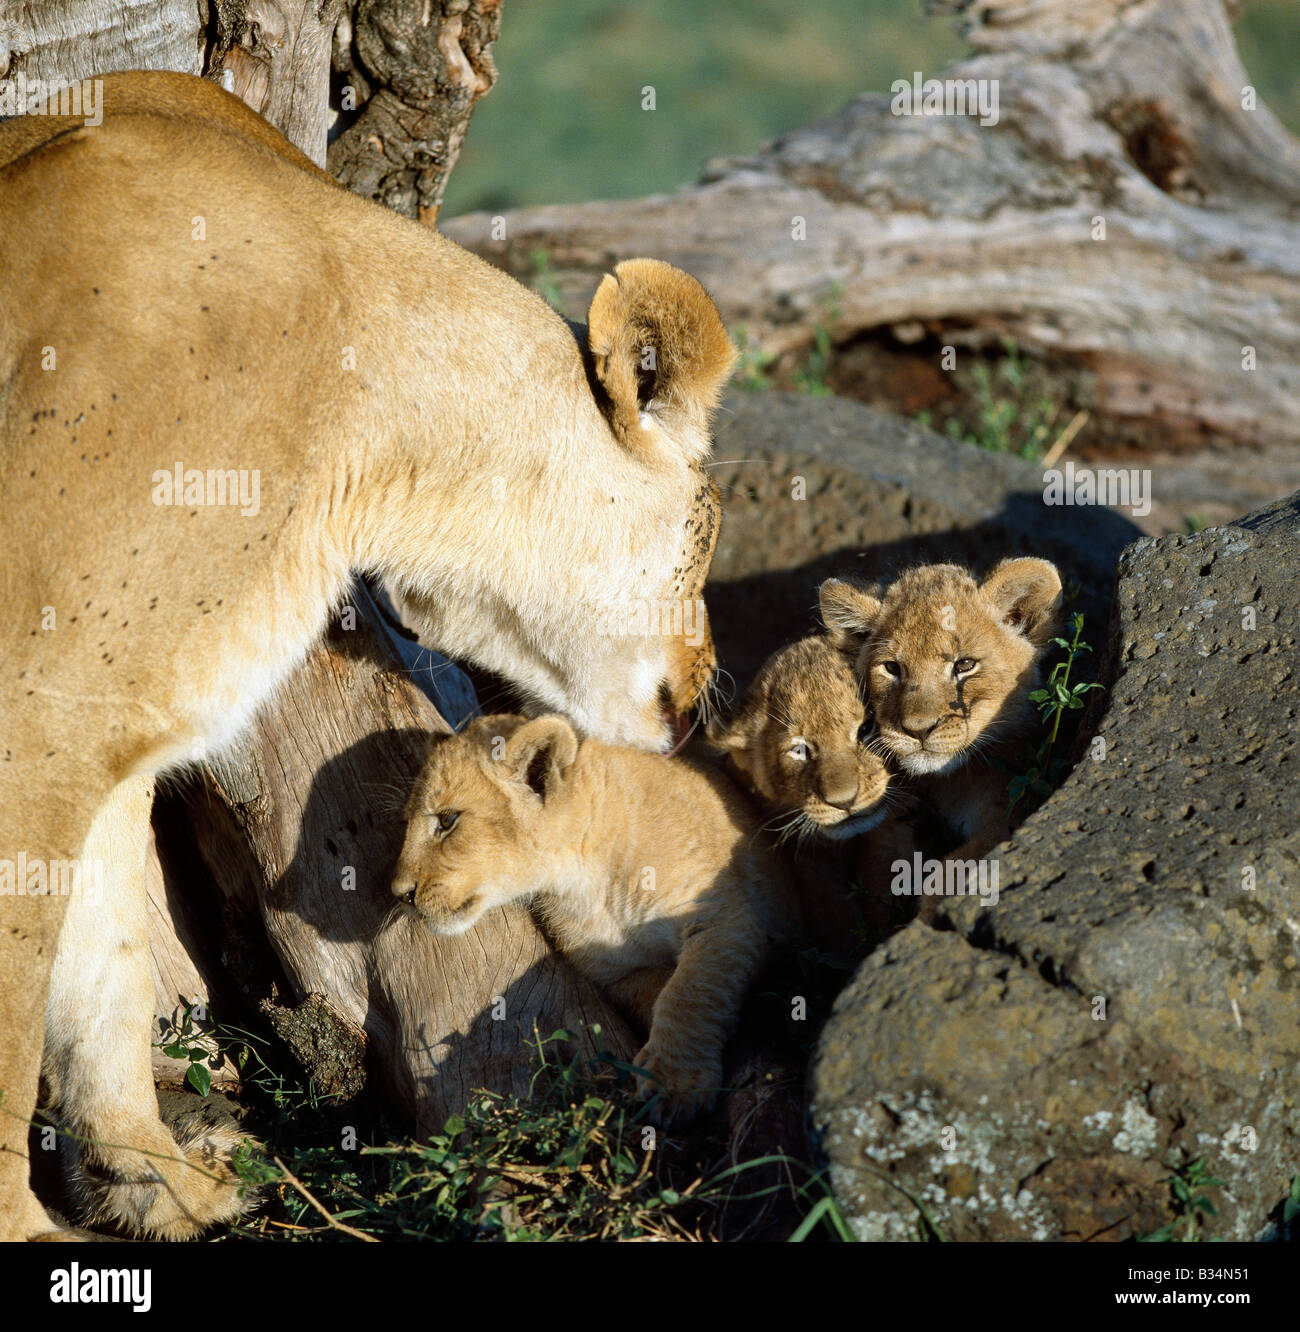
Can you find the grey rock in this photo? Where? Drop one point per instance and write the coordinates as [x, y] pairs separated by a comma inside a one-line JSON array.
[[1036, 1069]]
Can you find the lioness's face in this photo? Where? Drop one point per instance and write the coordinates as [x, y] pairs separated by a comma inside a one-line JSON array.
[[804, 741], [680, 646], [475, 819]]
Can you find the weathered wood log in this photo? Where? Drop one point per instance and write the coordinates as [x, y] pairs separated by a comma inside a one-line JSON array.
[[179, 985], [303, 822], [63, 41], [1130, 218]]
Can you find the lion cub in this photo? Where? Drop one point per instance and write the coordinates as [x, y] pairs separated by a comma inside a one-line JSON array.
[[802, 741], [643, 868], [948, 664]]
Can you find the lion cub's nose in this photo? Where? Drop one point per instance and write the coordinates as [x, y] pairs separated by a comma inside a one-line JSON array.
[[841, 795], [918, 730], [406, 892]]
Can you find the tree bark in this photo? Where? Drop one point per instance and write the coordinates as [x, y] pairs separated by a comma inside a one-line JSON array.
[[275, 56], [415, 70], [69, 40], [1126, 222]]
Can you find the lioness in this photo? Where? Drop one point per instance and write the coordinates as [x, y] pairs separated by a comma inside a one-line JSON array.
[[644, 870], [191, 311], [949, 665]]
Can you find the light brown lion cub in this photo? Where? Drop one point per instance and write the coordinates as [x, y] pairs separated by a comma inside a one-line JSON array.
[[801, 741], [643, 869], [949, 664]]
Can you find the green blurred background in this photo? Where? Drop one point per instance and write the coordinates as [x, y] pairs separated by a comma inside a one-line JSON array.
[[565, 123]]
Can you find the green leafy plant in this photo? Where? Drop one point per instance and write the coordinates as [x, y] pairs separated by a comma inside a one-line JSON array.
[[544, 283], [183, 1038], [1054, 700], [1010, 414], [1189, 1202], [573, 1159], [810, 377], [754, 369]]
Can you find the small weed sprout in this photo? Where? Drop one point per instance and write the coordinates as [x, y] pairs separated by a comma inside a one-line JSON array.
[[1190, 1204], [1058, 697]]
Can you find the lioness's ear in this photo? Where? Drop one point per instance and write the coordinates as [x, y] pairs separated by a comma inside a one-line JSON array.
[[540, 754], [849, 613], [1027, 595], [660, 352]]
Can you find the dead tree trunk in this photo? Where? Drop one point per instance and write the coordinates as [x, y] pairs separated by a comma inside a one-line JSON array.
[[1132, 218], [396, 80]]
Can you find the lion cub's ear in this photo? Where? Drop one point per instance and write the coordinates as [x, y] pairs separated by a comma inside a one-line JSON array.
[[731, 733], [849, 613], [1026, 593], [660, 352], [540, 754]]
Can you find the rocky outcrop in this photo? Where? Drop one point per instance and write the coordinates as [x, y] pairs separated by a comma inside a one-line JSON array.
[[820, 487], [1038, 1069]]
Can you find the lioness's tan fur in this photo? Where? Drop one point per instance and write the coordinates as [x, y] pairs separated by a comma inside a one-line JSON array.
[[644, 869], [180, 285]]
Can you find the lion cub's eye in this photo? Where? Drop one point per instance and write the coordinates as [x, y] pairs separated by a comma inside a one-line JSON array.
[[964, 666], [799, 749], [893, 669], [446, 819], [866, 732]]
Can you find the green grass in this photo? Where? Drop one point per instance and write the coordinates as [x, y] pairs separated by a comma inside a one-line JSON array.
[[574, 1159], [564, 122], [1266, 41]]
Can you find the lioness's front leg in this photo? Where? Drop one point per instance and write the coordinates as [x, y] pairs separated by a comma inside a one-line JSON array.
[[695, 1013], [126, 1167]]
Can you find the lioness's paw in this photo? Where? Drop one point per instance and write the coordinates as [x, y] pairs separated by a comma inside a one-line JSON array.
[[173, 1189], [684, 1087]]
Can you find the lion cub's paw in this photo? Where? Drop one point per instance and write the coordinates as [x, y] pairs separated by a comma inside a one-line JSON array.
[[685, 1087], [171, 1189]]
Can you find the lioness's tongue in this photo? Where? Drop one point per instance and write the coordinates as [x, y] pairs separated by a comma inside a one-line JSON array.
[[679, 730]]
